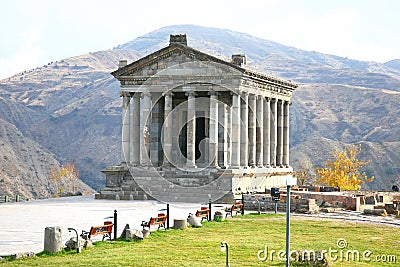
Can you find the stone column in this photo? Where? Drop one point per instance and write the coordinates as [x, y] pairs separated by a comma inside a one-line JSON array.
[[145, 129], [244, 130], [167, 130], [125, 149], [274, 127], [252, 130], [267, 132], [235, 131], [225, 123], [286, 134], [135, 135], [279, 153], [260, 131], [213, 130], [191, 131]]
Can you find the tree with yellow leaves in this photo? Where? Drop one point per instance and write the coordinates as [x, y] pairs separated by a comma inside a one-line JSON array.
[[344, 170], [68, 171]]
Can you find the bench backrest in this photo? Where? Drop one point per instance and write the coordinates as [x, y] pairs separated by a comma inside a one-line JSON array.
[[203, 212], [104, 229], [237, 206], [160, 219]]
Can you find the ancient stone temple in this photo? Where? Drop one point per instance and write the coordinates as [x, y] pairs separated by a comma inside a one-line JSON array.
[[196, 127]]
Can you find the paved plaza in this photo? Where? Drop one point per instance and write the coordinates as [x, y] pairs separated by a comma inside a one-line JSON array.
[[23, 223]]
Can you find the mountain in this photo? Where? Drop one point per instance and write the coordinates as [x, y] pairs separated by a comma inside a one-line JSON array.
[[70, 109]]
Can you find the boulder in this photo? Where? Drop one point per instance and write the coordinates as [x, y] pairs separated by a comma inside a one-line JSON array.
[[72, 244], [194, 221], [123, 234], [132, 234], [146, 233], [23, 255]]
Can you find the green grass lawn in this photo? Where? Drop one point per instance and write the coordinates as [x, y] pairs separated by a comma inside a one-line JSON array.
[[246, 236]]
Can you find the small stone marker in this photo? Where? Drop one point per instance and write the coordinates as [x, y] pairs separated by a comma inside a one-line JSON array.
[[219, 215], [53, 239], [180, 224]]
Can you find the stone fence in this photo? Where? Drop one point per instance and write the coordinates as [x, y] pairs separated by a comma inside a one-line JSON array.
[[17, 198]]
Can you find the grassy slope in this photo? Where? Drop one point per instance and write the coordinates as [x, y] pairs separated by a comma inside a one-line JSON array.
[[245, 236]]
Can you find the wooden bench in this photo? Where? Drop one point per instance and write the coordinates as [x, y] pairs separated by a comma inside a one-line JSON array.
[[159, 220], [104, 230], [204, 213], [237, 207]]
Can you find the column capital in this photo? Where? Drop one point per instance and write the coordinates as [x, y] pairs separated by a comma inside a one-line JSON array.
[[213, 93], [134, 95], [168, 93], [124, 94], [244, 93], [235, 93], [191, 93], [273, 100], [144, 94]]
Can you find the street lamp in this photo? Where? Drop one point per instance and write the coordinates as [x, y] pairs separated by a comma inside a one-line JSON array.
[[78, 249], [224, 247]]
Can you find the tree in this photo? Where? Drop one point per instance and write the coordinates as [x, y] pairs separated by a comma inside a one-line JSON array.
[[344, 170], [68, 171], [304, 174]]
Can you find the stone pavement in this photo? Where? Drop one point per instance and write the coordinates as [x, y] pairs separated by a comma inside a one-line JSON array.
[[24, 223]]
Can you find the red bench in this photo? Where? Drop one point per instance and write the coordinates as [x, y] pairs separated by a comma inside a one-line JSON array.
[[237, 207], [204, 213], [159, 220], [104, 230]]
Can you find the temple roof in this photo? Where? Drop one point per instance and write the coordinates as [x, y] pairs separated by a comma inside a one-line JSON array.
[[178, 44]]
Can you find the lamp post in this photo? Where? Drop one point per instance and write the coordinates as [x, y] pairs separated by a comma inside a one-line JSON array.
[[167, 210], [224, 247], [78, 249], [115, 217], [290, 180]]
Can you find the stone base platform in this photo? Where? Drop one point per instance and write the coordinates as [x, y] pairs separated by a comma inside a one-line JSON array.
[[196, 186]]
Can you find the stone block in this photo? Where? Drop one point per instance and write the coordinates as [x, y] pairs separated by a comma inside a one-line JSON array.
[[376, 212], [53, 239], [180, 224]]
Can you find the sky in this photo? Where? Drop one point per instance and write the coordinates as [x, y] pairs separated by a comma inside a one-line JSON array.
[[34, 33]]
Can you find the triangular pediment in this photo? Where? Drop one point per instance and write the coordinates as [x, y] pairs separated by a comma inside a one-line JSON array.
[[168, 57]]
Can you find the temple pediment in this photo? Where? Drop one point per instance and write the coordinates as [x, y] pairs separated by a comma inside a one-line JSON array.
[[174, 60], [179, 60]]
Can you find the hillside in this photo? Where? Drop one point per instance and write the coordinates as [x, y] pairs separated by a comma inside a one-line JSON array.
[[20, 158], [71, 108]]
